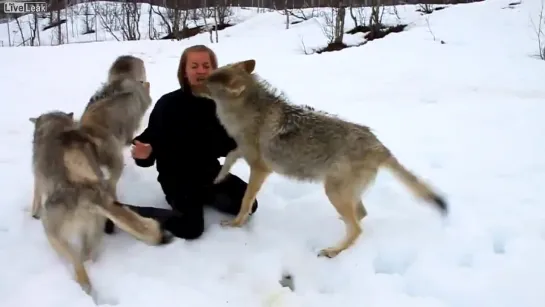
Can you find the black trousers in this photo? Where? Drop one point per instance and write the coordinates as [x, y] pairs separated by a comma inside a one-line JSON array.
[[186, 219]]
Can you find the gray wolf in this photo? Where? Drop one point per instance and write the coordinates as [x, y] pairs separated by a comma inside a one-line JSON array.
[[77, 197], [273, 135], [115, 112]]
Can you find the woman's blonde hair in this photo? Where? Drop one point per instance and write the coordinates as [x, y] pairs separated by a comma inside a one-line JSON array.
[[182, 78]]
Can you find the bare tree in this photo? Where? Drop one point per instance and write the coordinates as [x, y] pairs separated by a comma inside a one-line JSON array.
[[286, 12], [66, 19], [59, 29], [539, 28], [34, 29], [339, 23], [430, 30], [216, 23], [89, 19], [9, 31], [129, 19], [107, 13], [204, 12], [21, 32], [174, 21], [333, 27], [164, 23], [222, 13], [300, 13], [72, 9], [194, 16], [375, 19], [56, 21], [175, 16], [152, 32], [357, 13], [426, 8]]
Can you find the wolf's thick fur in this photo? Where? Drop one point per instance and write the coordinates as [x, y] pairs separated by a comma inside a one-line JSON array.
[[77, 198], [127, 67], [303, 144], [115, 112]]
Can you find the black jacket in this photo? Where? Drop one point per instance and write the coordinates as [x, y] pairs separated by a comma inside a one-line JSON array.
[[186, 139]]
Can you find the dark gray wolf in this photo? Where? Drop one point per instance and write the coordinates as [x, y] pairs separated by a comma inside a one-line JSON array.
[[300, 143], [77, 197]]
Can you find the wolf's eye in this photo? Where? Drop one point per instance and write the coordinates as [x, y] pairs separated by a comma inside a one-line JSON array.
[[219, 77]]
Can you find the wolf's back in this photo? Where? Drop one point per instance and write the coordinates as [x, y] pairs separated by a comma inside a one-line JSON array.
[[80, 156]]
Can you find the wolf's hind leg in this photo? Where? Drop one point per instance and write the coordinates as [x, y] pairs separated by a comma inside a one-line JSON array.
[[65, 250], [37, 197]]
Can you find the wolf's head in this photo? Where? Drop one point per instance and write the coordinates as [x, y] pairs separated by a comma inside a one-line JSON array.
[[128, 67], [52, 121], [228, 82]]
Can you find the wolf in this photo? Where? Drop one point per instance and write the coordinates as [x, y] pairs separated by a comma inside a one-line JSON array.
[[114, 113], [77, 197], [273, 135]]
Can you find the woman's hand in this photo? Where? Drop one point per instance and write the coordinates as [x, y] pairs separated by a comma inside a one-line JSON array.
[[141, 150]]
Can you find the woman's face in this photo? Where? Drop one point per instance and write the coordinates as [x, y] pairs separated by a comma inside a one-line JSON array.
[[197, 67]]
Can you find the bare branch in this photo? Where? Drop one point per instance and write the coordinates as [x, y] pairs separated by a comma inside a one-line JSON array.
[[34, 29], [426, 8], [431, 32], [23, 41], [429, 28], [107, 13], [129, 19], [333, 27], [216, 23], [9, 31], [165, 23], [304, 48], [539, 28]]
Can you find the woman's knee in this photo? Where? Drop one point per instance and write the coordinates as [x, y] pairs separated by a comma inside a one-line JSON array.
[[194, 232], [185, 228], [187, 225]]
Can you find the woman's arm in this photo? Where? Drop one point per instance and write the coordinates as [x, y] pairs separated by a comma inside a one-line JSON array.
[[149, 135]]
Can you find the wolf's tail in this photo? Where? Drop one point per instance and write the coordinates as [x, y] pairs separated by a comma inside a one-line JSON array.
[[144, 229], [414, 184]]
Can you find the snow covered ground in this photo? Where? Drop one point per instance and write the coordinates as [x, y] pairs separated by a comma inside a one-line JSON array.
[[465, 115]]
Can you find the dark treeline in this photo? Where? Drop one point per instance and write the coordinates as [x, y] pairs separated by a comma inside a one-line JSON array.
[[267, 4]]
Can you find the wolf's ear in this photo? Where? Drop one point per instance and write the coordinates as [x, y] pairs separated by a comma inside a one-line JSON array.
[[71, 115], [33, 120], [248, 65]]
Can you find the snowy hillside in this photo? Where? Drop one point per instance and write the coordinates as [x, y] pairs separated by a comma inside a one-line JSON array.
[[466, 115]]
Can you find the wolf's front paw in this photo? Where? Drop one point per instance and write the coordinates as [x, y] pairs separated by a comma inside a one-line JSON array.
[[166, 237], [330, 252], [232, 223]]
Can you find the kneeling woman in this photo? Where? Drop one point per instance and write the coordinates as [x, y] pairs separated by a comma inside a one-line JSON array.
[[184, 139]]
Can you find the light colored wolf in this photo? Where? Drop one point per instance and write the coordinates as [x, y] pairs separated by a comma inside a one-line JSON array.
[[300, 143], [115, 112], [77, 196]]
